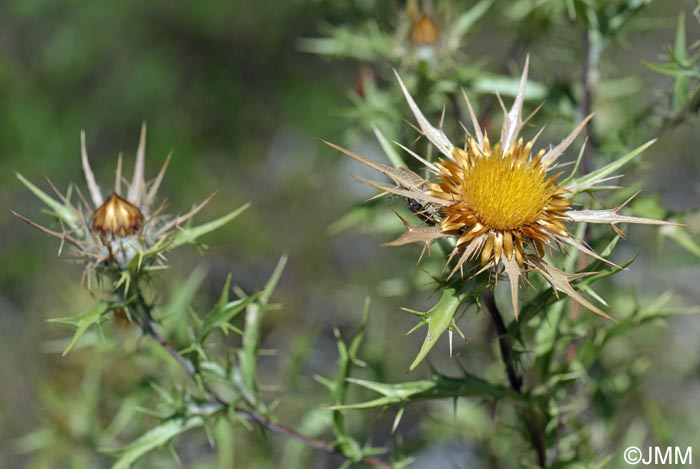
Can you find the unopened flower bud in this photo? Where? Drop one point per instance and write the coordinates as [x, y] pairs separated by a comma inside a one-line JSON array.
[[117, 218], [424, 31]]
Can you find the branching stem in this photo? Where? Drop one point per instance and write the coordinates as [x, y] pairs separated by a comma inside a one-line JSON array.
[[672, 122], [143, 316]]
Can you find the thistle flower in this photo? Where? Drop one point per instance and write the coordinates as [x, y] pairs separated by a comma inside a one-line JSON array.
[[126, 231], [502, 205]]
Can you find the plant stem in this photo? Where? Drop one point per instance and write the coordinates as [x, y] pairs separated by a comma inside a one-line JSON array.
[[591, 55], [148, 326], [672, 122], [534, 426], [592, 48]]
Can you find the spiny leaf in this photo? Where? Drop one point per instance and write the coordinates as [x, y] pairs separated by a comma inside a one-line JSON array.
[[137, 262], [62, 212], [401, 176], [440, 387], [439, 318], [611, 217], [222, 314], [653, 310], [508, 86], [466, 20], [397, 392], [273, 280], [672, 69], [347, 358], [82, 322], [389, 149], [417, 234], [682, 237], [183, 295], [190, 234], [680, 93], [154, 438], [356, 343], [584, 182], [561, 281], [255, 312]]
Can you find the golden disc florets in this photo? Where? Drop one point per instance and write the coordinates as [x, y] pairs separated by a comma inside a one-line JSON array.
[[507, 197], [499, 204]]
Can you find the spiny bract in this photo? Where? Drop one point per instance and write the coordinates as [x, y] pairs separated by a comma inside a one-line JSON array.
[[498, 203], [122, 231]]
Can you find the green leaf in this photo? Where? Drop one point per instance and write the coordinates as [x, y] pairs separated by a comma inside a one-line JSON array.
[[273, 280], [255, 312], [439, 318], [82, 322], [396, 392], [223, 312], [347, 358], [466, 20], [224, 435], [365, 44], [154, 438], [183, 295], [672, 69], [680, 52], [60, 210], [601, 173], [190, 234], [440, 387], [682, 237], [680, 86], [389, 149], [508, 86], [547, 333]]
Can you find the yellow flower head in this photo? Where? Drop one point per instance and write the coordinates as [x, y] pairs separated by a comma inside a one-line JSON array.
[[499, 204]]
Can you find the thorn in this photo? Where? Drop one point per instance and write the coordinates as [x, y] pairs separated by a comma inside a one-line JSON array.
[[449, 337]]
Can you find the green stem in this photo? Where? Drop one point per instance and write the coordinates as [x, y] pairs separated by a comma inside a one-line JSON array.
[[141, 312], [592, 48], [532, 422], [693, 105]]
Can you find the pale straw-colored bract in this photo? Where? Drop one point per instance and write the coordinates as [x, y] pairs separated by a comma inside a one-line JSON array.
[[124, 230], [499, 204]]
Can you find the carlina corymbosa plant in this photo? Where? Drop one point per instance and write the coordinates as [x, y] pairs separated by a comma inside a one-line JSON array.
[[125, 233], [500, 206], [124, 240], [121, 239]]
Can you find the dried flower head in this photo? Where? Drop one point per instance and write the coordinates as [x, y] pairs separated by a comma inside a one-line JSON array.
[[434, 32], [500, 204], [125, 231], [424, 30]]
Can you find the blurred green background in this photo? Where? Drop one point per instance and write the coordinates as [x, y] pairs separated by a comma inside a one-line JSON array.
[[224, 85]]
